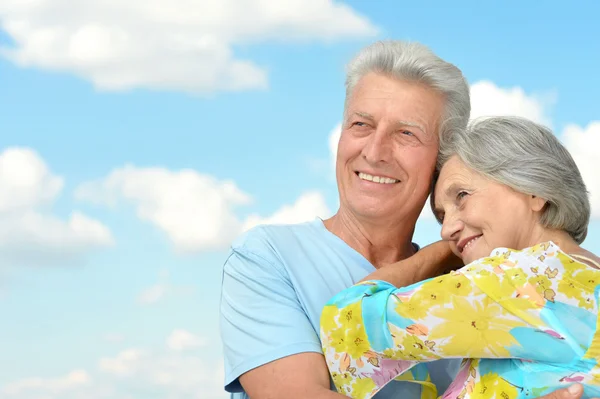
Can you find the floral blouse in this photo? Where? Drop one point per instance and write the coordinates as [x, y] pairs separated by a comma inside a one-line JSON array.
[[525, 323]]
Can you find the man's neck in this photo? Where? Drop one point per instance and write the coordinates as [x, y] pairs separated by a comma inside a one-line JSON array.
[[380, 243]]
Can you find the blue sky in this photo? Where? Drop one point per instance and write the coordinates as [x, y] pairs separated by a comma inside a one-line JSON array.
[[138, 141]]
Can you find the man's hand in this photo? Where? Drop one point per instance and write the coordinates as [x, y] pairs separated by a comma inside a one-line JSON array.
[[300, 376], [575, 391]]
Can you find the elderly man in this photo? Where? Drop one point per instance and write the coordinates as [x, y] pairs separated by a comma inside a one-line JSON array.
[[400, 99]]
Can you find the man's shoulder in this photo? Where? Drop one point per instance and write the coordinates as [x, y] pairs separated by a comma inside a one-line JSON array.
[[302, 251], [273, 237]]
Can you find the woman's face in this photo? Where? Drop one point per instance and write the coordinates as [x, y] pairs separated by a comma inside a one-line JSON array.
[[479, 214]]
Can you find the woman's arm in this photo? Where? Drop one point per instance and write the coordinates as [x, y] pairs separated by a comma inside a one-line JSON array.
[[373, 332]]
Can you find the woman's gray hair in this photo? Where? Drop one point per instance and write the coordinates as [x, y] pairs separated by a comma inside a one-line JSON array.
[[528, 158], [415, 62]]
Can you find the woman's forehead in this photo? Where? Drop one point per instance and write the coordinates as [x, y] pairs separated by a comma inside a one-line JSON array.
[[453, 172]]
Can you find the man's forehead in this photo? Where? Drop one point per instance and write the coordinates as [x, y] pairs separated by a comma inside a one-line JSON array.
[[405, 113]]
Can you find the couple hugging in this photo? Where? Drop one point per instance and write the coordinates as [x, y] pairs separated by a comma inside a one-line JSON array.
[[504, 306]]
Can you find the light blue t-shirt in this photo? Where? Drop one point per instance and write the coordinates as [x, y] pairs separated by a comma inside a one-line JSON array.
[[276, 281]]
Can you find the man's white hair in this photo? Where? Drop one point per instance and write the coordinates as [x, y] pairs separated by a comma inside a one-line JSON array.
[[416, 63]]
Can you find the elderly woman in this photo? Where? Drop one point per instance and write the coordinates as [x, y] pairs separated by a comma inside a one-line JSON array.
[[523, 311]]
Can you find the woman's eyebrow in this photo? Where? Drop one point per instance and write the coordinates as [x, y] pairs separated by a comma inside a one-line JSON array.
[[448, 192], [453, 188]]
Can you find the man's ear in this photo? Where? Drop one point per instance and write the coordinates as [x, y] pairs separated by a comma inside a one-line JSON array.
[[537, 203]]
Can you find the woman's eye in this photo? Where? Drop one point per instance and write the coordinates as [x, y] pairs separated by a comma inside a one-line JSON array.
[[461, 195]]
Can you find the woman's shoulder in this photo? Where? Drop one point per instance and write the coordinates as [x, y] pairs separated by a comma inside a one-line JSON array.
[[573, 257], [546, 252], [541, 273], [586, 257]]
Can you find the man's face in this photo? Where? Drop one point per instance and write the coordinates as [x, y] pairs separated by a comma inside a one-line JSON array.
[[388, 148]]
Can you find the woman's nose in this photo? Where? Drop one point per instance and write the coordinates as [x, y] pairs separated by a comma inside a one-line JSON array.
[[451, 228]]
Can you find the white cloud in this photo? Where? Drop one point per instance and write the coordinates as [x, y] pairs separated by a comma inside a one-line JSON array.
[[194, 210], [487, 99], [47, 386], [124, 364], [180, 340], [36, 232], [171, 374], [25, 180], [27, 230], [167, 372], [182, 45], [307, 207], [583, 143]]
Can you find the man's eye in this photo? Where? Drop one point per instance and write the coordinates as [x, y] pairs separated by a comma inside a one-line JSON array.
[[359, 124], [407, 133]]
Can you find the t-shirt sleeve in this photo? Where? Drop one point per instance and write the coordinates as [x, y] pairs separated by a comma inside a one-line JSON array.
[[261, 317]]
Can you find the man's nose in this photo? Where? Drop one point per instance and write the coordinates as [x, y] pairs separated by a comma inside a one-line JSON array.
[[378, 148]]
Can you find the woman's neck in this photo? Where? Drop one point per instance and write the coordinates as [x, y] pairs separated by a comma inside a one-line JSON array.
[[380, 243], [559, 237]]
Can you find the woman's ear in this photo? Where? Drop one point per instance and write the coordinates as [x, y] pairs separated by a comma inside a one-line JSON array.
[[537, 203]]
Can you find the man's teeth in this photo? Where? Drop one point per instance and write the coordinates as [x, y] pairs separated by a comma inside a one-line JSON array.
[[470, 242], [377, 179]]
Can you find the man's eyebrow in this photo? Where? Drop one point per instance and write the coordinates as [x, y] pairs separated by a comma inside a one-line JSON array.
[[399, 122], [365, 115], [402, 123]]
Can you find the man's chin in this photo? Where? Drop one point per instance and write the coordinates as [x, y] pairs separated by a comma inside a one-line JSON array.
[[377, 212]]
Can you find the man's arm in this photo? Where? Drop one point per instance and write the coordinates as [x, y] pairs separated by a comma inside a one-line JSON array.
[[271, 349], [305, 375], [301, 376], [431, 261]]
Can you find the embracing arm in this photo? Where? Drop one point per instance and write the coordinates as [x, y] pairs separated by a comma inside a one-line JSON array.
[[430, 261], [379, 332], [300, 376], [270, 348]]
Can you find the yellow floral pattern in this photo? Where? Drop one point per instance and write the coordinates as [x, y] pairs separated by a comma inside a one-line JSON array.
[[516, 313]]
